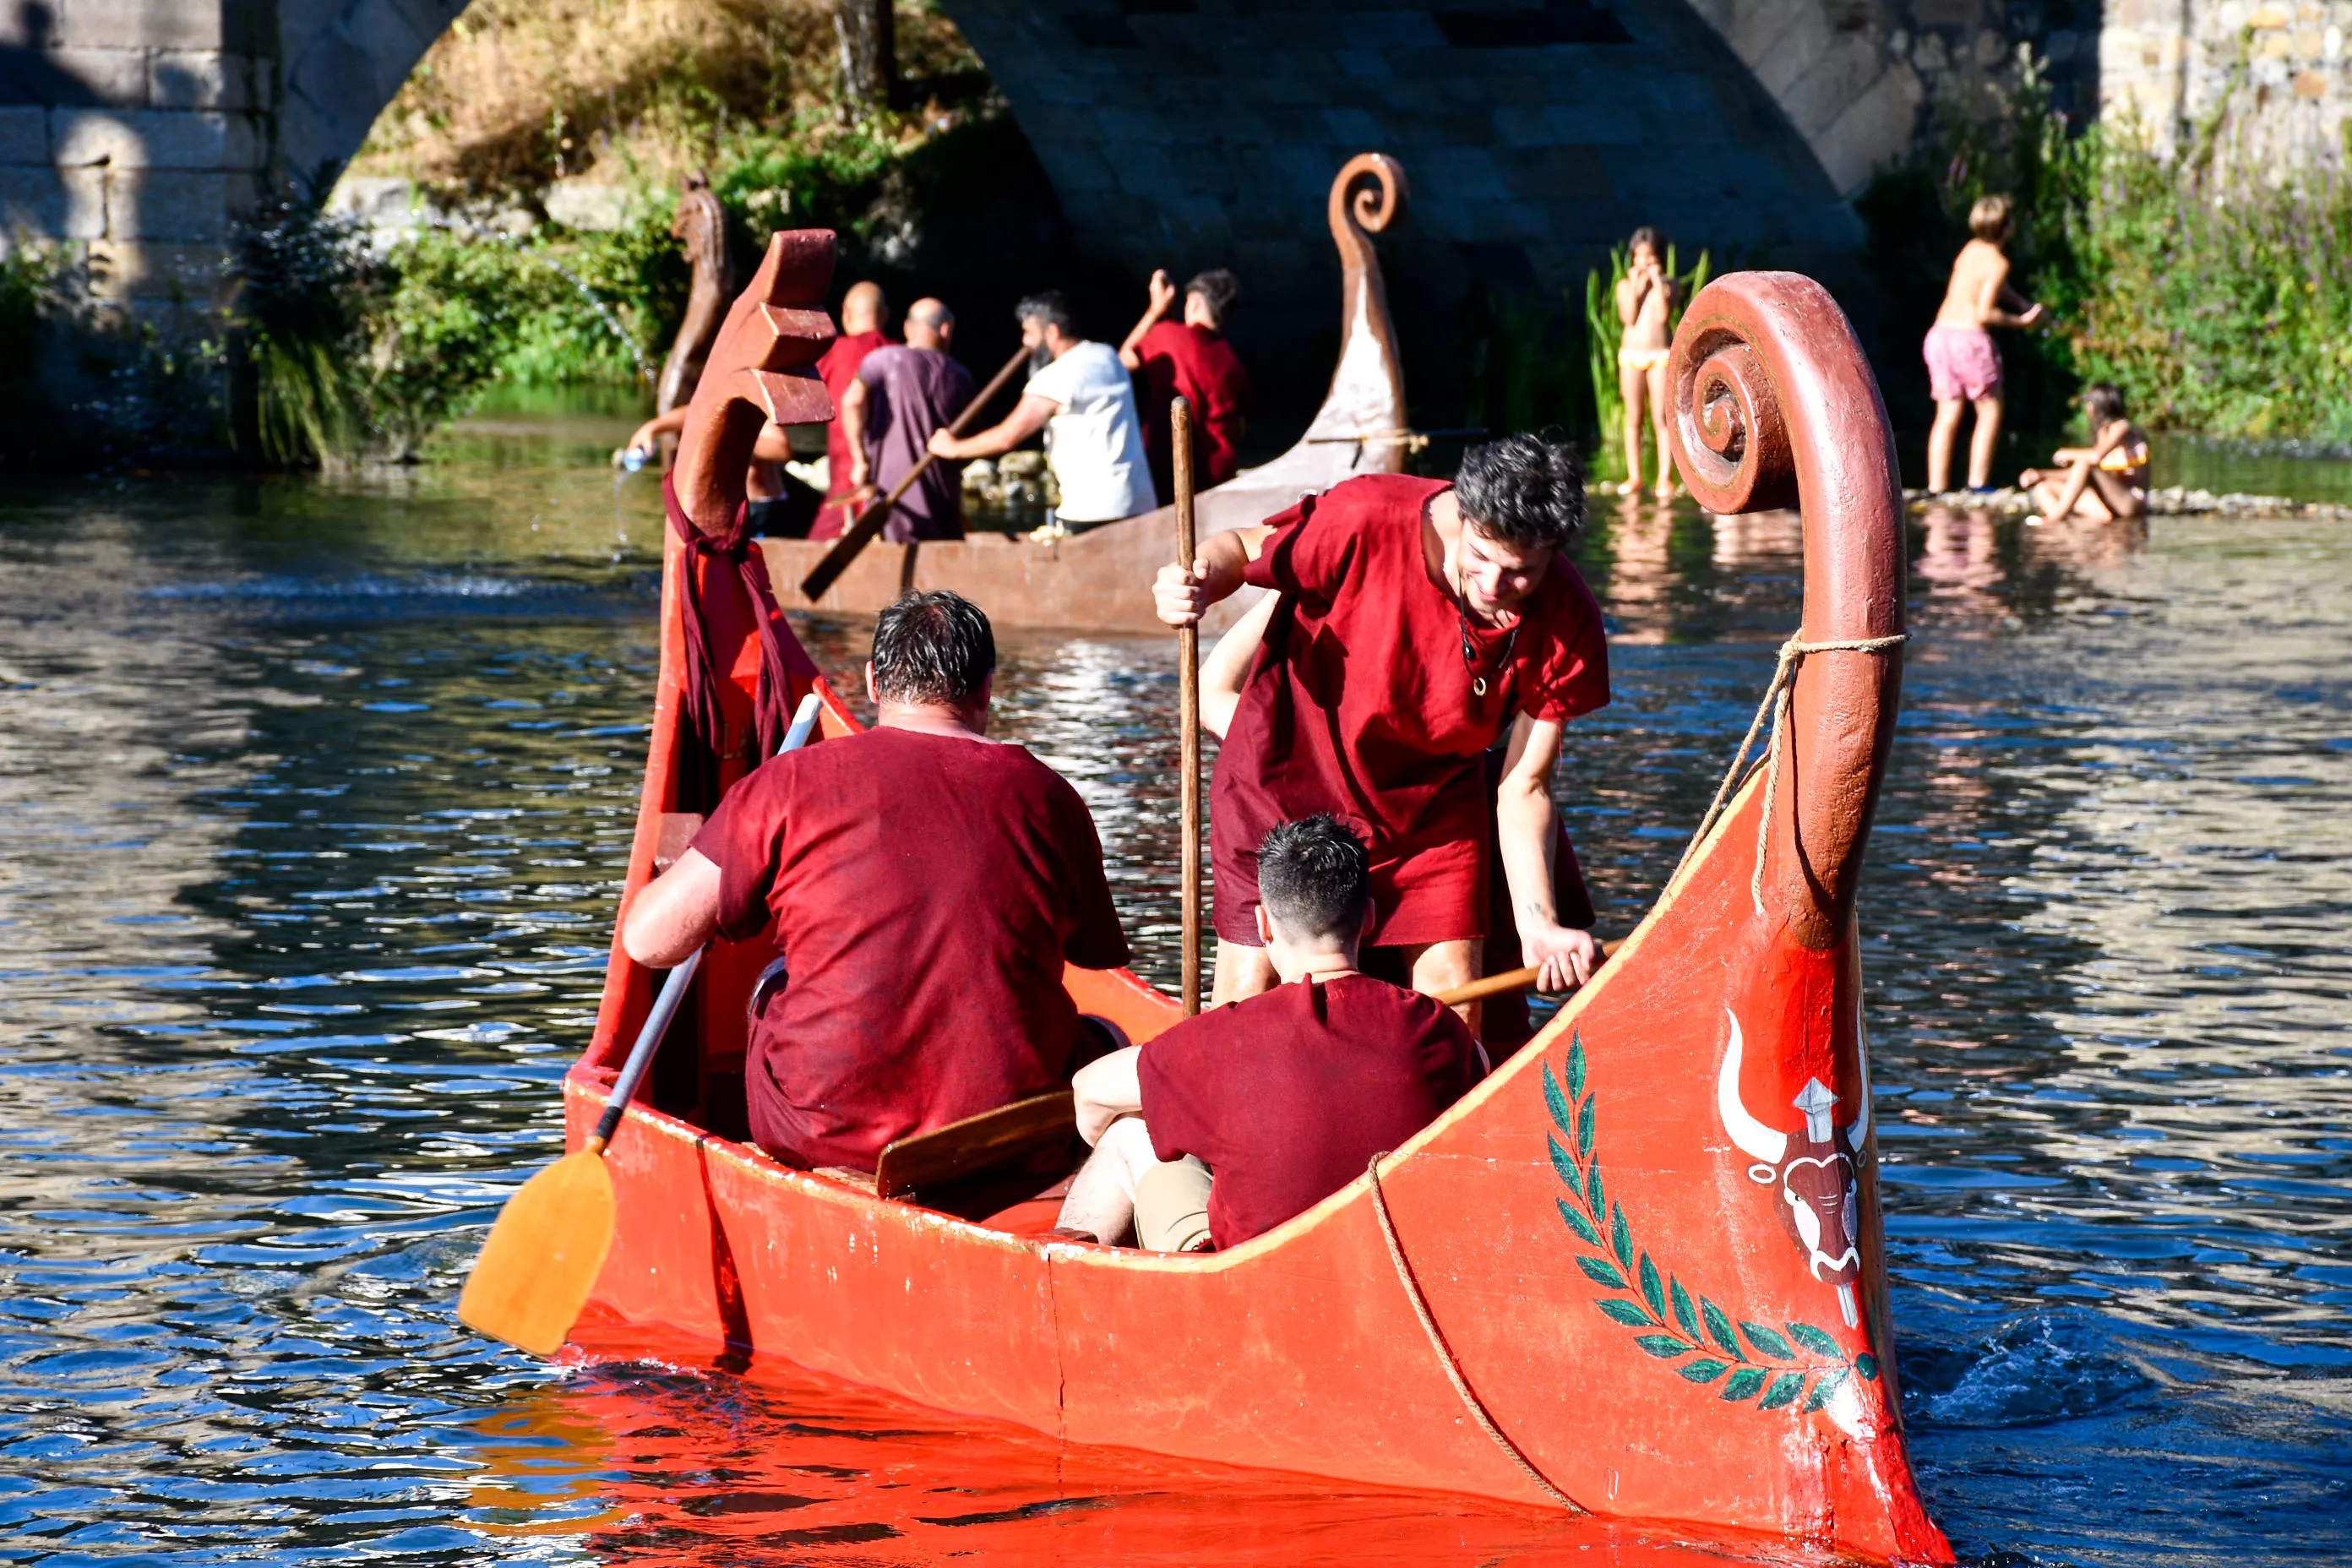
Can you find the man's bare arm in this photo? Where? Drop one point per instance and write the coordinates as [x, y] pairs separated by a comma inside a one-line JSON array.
[[1163, 299], [675, 914], [1180, 598], [1524, 833], [1106, 1089], [1028, 418], [852, 415]]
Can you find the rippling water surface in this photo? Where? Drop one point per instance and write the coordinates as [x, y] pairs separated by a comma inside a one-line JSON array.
[[313, 802]]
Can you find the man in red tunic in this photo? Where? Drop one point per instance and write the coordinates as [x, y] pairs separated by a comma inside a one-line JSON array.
[[926, 886], [1423, 623], [1189, 357], [862, 313]]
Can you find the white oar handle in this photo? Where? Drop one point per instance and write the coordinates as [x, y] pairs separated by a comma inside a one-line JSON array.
[[672, 991]]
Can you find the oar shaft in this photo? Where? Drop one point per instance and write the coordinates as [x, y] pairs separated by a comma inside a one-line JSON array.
[[1188, 698], [861, 534], [672, 991], [1510, 980]]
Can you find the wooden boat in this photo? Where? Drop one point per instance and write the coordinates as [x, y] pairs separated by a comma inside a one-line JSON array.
[[1637, 1271], [1101, 580]]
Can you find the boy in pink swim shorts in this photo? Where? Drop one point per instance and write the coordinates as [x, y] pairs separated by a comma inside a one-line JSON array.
[[1963, 366]]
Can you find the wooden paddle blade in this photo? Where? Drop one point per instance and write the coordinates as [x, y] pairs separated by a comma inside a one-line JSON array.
[[984, 1142], [535, 1271]]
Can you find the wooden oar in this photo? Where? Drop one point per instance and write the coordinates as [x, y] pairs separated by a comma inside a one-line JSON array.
[[1188, 706], [861, 534], [542, 1256], [1510, 980]]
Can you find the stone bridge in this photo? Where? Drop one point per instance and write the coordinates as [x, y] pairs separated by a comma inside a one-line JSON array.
[[1186, 131]]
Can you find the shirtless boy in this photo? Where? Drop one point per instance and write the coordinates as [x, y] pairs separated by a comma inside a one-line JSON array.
[[1647, 298], [1260, 1109], [2103, 481], [1963, 366]]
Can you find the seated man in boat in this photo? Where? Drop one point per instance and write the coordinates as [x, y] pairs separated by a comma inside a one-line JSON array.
[[926, 886], [1189, 359], [1078, 393], [1230, 1123], [1423, 623]]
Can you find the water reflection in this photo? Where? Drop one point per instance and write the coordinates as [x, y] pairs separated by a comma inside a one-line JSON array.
[[313, 799]]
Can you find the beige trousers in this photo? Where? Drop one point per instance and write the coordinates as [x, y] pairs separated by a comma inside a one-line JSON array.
[[1172, 1207]]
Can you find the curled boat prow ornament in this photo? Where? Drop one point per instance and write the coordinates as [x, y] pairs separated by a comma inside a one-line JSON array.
[[1815, 1169]]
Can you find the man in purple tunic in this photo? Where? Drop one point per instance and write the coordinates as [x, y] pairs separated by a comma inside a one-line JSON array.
[[901, 395]]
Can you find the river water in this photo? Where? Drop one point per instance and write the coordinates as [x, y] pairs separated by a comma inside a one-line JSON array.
[[313, 801]]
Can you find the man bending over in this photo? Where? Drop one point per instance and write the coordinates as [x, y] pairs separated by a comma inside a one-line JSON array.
[[1260, 1109], [926, 885]]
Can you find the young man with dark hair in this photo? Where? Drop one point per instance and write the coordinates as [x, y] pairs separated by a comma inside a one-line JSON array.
[[924, 884], [1079, 394], [1262, 1109], [1191, 359], [1421, 624]]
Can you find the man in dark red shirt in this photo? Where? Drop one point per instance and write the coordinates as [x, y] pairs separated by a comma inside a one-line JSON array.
[[863, 310], [1189, 357], [1421, 624], [1260, 1109], [926, 886]]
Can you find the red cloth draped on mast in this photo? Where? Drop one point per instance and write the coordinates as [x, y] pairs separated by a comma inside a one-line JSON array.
[[786, 671]]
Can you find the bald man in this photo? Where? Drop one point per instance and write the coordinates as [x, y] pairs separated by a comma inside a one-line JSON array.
[[897, 399], [862, 313]]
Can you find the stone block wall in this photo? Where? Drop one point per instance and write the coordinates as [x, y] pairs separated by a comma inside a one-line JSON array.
[[2272, 72], [135, 130]]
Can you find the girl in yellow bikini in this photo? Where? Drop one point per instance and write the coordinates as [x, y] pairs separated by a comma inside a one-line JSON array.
[[2103, 481], [1646, 298]]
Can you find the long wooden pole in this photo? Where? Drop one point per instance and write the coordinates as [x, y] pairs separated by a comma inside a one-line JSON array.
[[1510, 980], [1187, 701], [861, 534]]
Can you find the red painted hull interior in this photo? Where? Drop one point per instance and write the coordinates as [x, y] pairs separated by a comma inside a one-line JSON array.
[[1621, 1279]]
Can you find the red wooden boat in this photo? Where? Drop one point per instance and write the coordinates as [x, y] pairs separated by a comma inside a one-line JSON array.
[[1637, 1271], [1101, 580]]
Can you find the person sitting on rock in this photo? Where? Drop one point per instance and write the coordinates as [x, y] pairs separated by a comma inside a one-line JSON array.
[[1232, 1122], [1189, 359], [1078, 394], [2103, 481], [926, 886]]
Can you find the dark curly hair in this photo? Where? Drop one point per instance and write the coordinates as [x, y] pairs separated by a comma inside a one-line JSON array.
[[1315, 876], [935, 647], [1525, 490]]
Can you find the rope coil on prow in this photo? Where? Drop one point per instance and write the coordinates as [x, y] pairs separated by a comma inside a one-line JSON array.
[[1774, 406]]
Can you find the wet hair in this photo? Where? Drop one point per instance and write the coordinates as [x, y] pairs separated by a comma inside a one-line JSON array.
[[1315, 878], [1647, 236], [1989, 219], [1219, 289], [1525, 490], [1049, 308], [933, 647], [2104, 399]]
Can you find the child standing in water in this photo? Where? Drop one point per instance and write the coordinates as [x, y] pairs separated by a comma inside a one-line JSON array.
[[2103, 481], [1963, 367], [1646, 298]]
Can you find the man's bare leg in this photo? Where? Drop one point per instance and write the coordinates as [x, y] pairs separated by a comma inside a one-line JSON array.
[[1942, 436], [1982, 439], [1438, 966], [1633, 386], [1242, 971], [1101, 1201], [1658, 405]]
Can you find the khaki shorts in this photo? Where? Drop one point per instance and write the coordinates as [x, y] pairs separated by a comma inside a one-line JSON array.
[[1172, 1207]]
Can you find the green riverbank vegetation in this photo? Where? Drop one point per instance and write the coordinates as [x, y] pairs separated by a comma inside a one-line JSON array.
[[368, 336]]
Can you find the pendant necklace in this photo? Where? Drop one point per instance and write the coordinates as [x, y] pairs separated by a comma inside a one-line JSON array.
[[1469, 658]]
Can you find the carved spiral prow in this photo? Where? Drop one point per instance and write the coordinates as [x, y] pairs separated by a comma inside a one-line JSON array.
[[1774, 405], [1367, 393]]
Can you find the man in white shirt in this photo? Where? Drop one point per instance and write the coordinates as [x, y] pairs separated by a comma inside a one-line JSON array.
[[1079, 394]]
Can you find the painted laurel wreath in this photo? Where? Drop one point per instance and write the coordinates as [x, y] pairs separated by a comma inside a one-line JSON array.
[[1754, 1362]]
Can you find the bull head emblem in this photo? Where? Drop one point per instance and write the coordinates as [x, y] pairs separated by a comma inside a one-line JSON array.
[[1815, 1171]]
